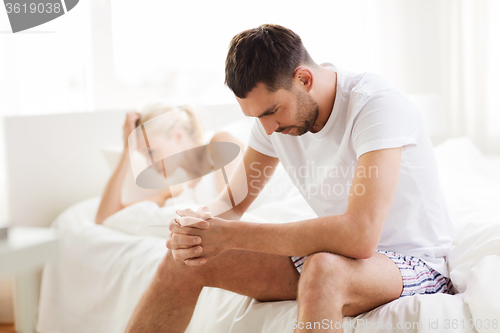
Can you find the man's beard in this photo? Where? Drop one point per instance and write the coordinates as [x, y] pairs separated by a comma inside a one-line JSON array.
[[307, 113]]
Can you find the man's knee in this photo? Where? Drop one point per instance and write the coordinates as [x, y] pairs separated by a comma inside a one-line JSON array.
[[170, 268], [325, 265], [323, 274]]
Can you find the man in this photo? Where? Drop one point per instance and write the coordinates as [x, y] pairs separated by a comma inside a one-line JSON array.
[[382, 230]]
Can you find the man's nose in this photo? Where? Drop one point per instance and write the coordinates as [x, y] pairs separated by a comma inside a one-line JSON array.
[[269, 125]]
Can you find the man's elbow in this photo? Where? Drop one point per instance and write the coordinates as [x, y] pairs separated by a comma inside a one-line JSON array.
[[365, 252], [367, 242]]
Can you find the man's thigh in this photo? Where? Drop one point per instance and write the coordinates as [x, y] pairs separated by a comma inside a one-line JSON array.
[[263, 276], [373, 282], [363, 284]]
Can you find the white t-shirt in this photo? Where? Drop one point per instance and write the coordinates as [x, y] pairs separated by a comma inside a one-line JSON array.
[[369, 114]]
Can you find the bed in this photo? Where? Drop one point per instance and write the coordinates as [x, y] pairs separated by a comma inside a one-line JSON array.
[[103, 269]]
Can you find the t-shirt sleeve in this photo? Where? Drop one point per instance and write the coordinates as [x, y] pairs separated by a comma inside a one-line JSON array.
[[260, 141], [387, 121]]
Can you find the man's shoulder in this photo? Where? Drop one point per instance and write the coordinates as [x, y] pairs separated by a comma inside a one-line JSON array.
[[369, 90], [371, 84], [348, 81]]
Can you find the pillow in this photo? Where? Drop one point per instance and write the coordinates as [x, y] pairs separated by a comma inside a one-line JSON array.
[[478, 239]]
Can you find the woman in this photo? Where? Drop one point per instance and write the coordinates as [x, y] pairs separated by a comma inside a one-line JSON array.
[[178, 132]]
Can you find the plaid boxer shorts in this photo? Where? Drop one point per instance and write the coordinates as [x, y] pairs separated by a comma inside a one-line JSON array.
[[418, 277]]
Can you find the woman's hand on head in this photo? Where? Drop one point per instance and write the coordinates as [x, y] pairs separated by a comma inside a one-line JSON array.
[[131, 122]]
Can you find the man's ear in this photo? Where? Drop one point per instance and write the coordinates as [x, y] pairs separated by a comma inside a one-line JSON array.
[[305, 77]]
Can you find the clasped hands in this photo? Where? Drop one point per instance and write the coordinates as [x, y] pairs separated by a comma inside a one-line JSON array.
[[196, 237]]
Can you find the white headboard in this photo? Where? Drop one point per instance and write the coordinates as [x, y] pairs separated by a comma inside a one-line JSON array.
[[54, 161]]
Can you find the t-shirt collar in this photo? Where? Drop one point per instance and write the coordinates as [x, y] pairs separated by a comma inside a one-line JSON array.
[[336, 107]]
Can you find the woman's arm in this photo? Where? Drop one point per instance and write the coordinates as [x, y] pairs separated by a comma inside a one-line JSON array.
[[111, 198], [226, 137]]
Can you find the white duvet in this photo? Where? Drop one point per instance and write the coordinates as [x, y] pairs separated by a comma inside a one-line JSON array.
[[103, 269]]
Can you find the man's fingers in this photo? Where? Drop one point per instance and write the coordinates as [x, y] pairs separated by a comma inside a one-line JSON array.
[[204, 212], [193, 231], [193, 222], [195, 261], [178, 241], [185, 254], [186, 212], [172, 224], [173, 221]]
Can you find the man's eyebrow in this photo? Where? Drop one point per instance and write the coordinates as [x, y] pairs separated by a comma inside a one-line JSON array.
[[268, 111]]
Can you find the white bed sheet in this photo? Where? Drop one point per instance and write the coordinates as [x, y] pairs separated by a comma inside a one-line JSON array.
[[102, 272]]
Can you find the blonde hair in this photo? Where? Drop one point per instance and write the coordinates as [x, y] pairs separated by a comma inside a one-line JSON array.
[[184, 116]]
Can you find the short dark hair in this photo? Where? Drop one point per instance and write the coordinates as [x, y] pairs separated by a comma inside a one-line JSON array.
[[268, 54]]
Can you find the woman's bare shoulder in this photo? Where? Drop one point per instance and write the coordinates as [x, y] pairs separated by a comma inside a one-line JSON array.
[[223, 137], [227, 137]]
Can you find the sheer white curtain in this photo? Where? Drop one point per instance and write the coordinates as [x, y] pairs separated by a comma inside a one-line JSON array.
[[474, 72], [444, 54]]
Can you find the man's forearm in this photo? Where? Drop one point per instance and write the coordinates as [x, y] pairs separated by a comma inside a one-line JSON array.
[[335, 234], [229, 214], [222, 206]]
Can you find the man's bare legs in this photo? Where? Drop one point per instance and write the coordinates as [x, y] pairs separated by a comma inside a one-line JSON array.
[[332, 287], [169, 302]]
